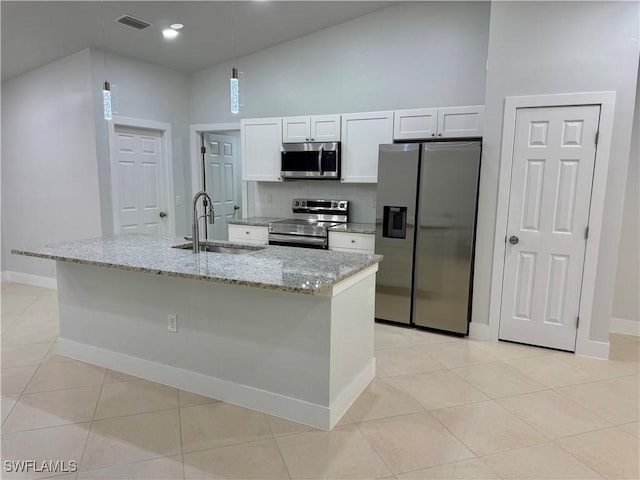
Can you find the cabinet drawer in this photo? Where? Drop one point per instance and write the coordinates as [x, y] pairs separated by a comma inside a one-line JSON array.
[[248, 234], [351, 241]]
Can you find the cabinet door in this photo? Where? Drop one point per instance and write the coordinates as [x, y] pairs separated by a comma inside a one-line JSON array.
[[362, 133], [296, 129], [460, 121], [249, 234], [325, 128], [415, 124], [361, 242], [261, 142]]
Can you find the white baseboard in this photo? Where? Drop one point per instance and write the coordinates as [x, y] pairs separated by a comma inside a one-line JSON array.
[[625, 326], [591, 348], [480, 331], [345, 399], [28, 279], [256, 399]]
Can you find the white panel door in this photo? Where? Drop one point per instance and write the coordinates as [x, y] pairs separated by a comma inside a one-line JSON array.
[[140, 199], [554, 155], [222, 182]]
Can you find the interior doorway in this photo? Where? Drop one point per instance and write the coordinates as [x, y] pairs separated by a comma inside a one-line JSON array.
[[141, 177], [551, 178], [221, 179], [216, 167]]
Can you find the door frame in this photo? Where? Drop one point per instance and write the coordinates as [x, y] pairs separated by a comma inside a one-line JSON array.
[[606, 101], [195, 130], [167, 167]]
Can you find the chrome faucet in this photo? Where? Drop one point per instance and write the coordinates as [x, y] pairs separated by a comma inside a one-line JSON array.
[[208, 209]]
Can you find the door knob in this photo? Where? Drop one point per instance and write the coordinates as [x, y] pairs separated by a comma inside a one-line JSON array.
[[513, 240], [236, 207], [163, 214]]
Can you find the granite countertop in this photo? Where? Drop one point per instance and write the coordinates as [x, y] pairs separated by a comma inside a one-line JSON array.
[[351, 227], [255, 221], [287, 269]]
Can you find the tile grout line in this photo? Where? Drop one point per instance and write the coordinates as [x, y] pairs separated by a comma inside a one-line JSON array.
[[95, 410], [275, 440]]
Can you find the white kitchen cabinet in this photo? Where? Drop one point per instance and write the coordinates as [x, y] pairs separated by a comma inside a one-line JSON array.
[[315, 128], [362, 133], [460, 121], [261, 142], [444, 122], [352, 242], [417, 123], [251, 234]]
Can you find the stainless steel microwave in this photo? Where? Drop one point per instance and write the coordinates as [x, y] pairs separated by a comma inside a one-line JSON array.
[[312, 160]]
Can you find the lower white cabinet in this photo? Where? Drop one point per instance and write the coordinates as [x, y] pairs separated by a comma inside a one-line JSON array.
[[250, 234], [352, 242]]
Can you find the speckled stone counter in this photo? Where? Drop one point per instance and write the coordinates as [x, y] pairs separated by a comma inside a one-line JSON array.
[[351, 227], [254, 221], [295, 270]]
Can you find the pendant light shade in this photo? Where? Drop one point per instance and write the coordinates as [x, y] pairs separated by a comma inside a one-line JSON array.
[[234, 91], [106, 101]]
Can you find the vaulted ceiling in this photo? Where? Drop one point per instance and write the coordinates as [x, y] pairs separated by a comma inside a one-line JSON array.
[[35, 33]]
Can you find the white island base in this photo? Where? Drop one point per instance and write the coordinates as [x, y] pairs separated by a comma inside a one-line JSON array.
[[302, 357]]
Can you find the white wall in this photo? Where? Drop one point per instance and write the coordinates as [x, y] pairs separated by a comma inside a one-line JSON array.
[[626, 301], [559, 47], [49, 167], [274, 199], [148, 92], [413, 54], [409, 55]]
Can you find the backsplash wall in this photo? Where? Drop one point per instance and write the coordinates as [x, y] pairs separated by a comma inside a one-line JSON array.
[[267, 199]]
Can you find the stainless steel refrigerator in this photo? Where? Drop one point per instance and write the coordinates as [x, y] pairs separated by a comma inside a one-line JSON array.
[[427, 272]]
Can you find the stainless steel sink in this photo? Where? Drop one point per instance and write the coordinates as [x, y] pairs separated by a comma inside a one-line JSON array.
[[215, 248]]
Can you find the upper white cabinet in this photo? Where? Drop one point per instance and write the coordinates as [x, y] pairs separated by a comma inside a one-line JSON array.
[[415, 123], [460, 121], [261, 142], [316, 128], [362, 133], [446, 122]]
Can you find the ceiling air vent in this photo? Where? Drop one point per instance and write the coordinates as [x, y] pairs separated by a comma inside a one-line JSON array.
[[133, 22]]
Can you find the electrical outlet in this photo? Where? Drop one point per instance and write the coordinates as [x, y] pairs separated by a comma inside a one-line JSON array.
[[172, 323]]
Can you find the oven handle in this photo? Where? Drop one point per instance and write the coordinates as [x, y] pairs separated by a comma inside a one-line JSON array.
[[297, 239]]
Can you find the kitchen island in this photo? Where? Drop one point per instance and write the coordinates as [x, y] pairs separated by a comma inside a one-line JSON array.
[[282, 330]]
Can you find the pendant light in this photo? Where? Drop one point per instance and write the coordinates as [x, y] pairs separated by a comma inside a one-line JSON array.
[[106, 88], [106, 100], [234, 87]]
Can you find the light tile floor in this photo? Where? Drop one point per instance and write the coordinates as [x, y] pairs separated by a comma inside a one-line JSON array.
[[440, 407]]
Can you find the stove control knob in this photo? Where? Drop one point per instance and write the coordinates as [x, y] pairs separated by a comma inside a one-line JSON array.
[[297, 203], [342, 205], [303, 204]]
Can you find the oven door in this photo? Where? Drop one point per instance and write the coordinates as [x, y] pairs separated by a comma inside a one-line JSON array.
[[298, 241], [301, 160]]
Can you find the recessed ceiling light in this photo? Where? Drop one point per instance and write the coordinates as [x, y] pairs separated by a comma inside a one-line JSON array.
[[169, 33], [177, 26]]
